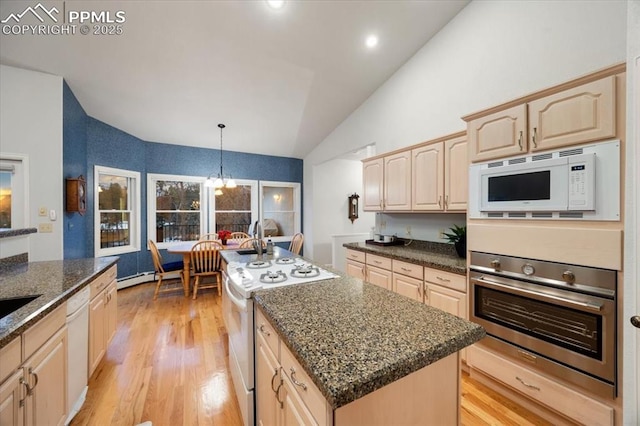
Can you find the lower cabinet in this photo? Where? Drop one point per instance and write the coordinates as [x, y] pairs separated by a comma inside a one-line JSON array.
[[103, 316], [35, 392], [268, 384]]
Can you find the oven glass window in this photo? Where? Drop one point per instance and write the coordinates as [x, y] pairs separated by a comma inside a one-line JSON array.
[[521, 187], [575, 330]]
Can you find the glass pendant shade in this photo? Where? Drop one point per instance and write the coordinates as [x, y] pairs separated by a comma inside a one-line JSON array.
[[217, 192], [208, 183], [231, 183], [218, 183]]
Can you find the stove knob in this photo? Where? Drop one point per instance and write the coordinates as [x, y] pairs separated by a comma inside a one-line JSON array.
[[495, 264], [569, 277]]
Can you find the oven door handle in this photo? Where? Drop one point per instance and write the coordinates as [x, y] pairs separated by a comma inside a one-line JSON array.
[[240, 303], [541, 296]]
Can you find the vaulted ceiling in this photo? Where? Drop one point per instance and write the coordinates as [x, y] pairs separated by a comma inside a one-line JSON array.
[[281, 80]]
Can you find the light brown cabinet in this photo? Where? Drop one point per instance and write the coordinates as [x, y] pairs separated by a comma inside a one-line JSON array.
[[35, 390], [373, 185], [577, 115], [431, 176], [267, 384], [408, 279], [371, 268], [103, 313], [440, 176], [397, 182]]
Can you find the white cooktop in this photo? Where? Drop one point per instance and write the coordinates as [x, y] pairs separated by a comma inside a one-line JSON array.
[[264, 274]]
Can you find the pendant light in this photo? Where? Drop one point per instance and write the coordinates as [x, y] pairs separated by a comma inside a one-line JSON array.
[[220, 182]]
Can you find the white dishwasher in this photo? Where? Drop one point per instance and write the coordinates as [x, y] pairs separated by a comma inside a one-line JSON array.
[[77, 351]]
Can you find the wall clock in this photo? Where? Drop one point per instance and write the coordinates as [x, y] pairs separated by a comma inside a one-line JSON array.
[[76, 195]]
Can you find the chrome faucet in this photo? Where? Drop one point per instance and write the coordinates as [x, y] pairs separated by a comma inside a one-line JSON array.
[[257, 241]]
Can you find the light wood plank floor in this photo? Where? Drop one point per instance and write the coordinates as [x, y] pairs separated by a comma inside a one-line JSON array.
[[168, 363]]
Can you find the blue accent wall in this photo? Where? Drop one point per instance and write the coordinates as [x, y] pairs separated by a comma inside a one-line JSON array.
[[74, 158], [90, 142]]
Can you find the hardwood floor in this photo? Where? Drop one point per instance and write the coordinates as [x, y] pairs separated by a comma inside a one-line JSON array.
[[168, 364]]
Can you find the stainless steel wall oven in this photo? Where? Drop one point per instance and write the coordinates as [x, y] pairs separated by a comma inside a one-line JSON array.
[[559, 318]]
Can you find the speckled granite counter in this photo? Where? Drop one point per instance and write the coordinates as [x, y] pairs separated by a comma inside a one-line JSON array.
[[55, 281], [353, 338], [429, 256]]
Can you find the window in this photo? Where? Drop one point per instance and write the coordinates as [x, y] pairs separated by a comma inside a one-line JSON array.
[[237, 207], [117, 211], [13, 192], [280, 212], [176, 208]]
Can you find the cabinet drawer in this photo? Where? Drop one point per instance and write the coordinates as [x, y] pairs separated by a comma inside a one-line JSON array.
[[408, 269], [11, 358], [379, 261], [35, 336], [102, 281], [307, 390], [264, 328], [562, 399], [446, 279], [358, 256]]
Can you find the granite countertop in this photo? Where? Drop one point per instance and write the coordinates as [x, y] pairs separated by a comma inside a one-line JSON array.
[[432, 255], [353, 338], [55, 281]]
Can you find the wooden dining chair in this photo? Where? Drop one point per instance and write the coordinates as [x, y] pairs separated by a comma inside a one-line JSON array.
[[165, 271], [249, 244], [213, 236], [205, 261], [239, 236], [296, 243]]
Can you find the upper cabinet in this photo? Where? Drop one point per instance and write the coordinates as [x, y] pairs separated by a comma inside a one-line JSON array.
[[397, 182], [497, 135], [431, 176], [580, 114], [372, 179]]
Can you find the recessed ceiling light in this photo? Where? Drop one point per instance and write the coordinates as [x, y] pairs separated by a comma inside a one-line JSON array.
[[372, 41], [275, 4]]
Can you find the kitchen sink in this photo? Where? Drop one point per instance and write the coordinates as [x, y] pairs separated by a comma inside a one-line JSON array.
[[246, 251], [8, 306]]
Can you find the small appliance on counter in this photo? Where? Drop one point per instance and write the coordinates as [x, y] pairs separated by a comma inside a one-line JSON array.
[[385, 240]]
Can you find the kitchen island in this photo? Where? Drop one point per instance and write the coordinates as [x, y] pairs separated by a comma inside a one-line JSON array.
[[368, 355]]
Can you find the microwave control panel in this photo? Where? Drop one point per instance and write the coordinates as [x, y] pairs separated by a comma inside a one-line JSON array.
[[582, 179]]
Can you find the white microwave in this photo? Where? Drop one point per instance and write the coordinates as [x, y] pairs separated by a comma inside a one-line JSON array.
[[577, 183]]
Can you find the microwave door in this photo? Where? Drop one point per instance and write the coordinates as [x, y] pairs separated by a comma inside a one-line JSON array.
[[526, 187]]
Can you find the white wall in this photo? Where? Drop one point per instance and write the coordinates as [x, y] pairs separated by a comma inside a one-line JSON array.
[[491, 52], [31, 125], [336, 179]]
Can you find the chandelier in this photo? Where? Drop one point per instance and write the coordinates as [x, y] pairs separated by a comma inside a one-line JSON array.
[[220, 182]]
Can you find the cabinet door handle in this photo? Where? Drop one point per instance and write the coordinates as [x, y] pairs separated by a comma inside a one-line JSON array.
[[263, 331], [296, 382], [275, 374], [530, 386], [278, 395], [446, 201], [28, 392], [420, 290], [520, 140], [533, 138], [35, 376], [440, 201], [405, 269], [443, 279], [377, 262]]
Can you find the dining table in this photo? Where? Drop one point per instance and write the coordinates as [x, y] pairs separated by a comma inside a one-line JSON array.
[[184, 248]]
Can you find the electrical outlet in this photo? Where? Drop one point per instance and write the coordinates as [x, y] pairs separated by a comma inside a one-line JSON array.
[[45, 227], [408, 230], [42, 211], [441, 234]]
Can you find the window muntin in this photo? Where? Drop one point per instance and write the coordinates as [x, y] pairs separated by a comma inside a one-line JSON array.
[[117, 211]]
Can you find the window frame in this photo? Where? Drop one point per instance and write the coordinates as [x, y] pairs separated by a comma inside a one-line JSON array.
[[297, 207], [255, 202], [20, 181], [205, 201], [134, 196]]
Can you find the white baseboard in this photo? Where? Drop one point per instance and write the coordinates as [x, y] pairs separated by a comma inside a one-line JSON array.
[[132, 280]]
